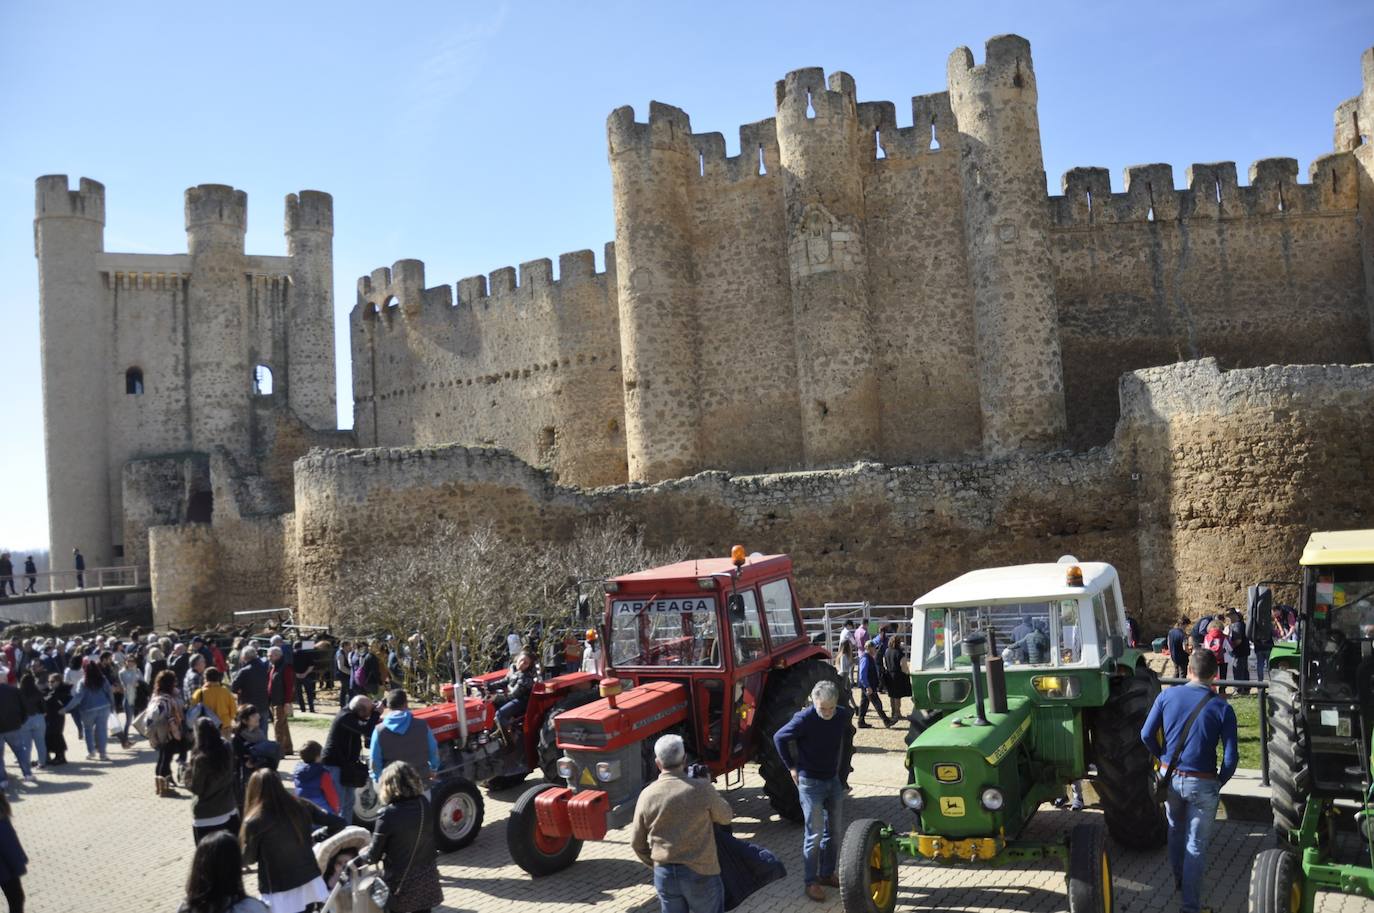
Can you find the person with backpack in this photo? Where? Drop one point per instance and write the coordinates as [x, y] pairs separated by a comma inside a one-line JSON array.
[[1192, 723], [210, 778], [1240, 648], [313, 782], [164, 724], [1261, 633], [217, 700]]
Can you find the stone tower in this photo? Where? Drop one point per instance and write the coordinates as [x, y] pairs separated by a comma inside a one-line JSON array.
[[651, 165], [69, 232], [152, 356], [309, 380], [221, 375], [833, 323], [1007, 230]]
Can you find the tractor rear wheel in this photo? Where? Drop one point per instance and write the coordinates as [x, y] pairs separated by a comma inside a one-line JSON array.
[[1289, 779], [868, 869], [531, 849], [787, 692], [1276, 883], [458, 809], [1090, 871], [548, 735], [1125, 768]]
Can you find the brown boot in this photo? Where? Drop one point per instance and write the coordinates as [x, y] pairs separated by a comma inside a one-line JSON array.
[[159, 786]]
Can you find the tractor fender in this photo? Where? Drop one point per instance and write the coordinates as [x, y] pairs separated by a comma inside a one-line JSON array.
[[790, 656]]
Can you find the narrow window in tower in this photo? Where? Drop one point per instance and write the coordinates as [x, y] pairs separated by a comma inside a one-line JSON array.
[[763, 167], [810, 108], [1217, 186], [934, 140], [701, 164], [1150, 192], [1281, 204], [133, 382], [1333, 181], [878, 144], [1090, 202], [262, 381]]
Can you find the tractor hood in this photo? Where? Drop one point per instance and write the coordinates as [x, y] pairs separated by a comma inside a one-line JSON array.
[[612, 723], [954, 761]]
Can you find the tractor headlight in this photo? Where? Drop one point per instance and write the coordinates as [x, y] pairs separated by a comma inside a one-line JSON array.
[[992, 799], [912, 799], [567, 768], [606, 771], [1058, 687]]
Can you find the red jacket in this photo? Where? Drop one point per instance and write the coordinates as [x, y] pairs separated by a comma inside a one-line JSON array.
[[217, 659], [288, 674]]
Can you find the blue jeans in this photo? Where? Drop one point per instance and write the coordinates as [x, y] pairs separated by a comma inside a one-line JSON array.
[[1261, 664], [1192, 811], [681, 890], [509, 710], [95, 726], [36, 727], [18, 742], [822, 803], [348, 795]]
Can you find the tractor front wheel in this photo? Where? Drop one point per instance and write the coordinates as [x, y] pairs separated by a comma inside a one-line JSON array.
[[1090, 871], [458, 811], [532, 849], [549, 752], [366, 805], [868, 868], [1289, 779], [1276, 883], [787, 692], [1125, 768]]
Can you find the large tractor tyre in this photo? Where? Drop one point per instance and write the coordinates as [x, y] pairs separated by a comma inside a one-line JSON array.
[[1125, 768], [496, 784], [366, 805], [532, 850], [1090, 871], [1276, 883], [1290, 780], [868, 868], [548, 735], [458, 809], [787, 692]]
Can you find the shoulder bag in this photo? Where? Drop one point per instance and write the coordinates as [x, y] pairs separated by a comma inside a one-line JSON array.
[[377, 889], [1162, 786]]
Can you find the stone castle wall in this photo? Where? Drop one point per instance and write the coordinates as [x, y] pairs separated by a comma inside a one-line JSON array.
[[848, 288], [1213, 481]]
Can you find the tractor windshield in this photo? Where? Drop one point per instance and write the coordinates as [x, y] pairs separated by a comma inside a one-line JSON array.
[[665, 631], [1024, 634]]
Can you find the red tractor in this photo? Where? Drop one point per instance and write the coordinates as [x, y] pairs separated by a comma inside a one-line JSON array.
[[471, 752], [713, 650]]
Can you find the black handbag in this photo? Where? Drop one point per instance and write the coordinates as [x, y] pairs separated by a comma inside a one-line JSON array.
[[1162, 785]]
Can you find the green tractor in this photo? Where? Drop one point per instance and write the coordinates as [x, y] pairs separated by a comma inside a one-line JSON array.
[[1062, 692], [1320, 703]]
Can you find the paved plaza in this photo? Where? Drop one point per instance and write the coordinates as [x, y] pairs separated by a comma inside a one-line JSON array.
[[98, 838]]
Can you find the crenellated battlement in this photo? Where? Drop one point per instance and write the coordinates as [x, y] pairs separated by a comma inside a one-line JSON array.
[[1006, 70], [401, 290], [216, 205], [806, 94], [932, 127], [1212, 192], [55, 200], [668, 129], [758, 155], [309, 210]]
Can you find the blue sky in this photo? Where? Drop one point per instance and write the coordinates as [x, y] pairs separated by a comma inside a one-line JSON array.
[[472, 136]]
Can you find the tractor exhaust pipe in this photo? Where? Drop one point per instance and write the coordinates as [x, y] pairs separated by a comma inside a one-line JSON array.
[[997, 684], [975, 648]]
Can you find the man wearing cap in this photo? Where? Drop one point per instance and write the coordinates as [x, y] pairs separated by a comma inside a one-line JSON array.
[[591, 653]]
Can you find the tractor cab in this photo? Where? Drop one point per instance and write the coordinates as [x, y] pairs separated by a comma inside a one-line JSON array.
[[714, 627], [1336, 643]]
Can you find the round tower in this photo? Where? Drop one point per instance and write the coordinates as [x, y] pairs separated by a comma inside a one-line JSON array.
[[220, 376], [309, 384], [1006, 217], [78, 377], [651, 165], [819, 147]]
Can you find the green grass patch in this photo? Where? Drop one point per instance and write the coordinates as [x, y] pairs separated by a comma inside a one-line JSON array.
[[1247, 708]]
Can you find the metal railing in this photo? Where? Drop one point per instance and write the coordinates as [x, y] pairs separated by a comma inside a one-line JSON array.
[[829, 619], [92, 578]]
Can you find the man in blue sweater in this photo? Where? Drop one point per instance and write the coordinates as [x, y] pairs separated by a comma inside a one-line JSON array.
[[812, 744], [1195, 790], [869, 678]]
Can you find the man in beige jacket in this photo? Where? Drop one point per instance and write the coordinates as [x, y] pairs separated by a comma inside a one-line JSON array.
[[673, 833]]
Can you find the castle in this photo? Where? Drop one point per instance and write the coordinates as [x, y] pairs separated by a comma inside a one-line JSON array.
[[843, 296]]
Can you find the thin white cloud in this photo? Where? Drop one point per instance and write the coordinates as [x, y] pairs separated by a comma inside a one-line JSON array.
[[451, 66]]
